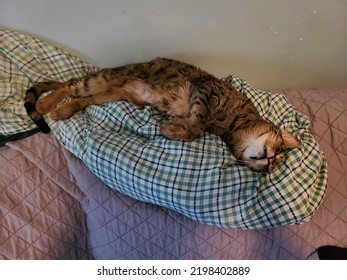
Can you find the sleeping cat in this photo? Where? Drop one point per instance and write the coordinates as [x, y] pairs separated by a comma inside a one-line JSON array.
[[195, 100]]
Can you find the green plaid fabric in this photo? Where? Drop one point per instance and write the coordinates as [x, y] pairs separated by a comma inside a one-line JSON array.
[[25, 60], [122, 145]]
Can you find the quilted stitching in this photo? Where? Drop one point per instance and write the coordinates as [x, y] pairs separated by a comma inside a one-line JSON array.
[[39, 217]]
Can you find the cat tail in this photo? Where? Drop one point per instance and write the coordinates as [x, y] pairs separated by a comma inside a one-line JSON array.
[[30, 99]]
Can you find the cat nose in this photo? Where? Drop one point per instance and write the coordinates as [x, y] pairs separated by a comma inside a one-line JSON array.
[[271, 159]]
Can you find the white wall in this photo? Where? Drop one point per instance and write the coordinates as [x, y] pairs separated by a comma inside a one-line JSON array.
[[272, 44]]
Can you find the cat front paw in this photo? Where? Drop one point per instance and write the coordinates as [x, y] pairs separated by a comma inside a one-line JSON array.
[[176, 132]]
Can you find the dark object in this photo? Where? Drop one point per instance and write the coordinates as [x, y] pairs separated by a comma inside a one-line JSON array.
[[332, 253]]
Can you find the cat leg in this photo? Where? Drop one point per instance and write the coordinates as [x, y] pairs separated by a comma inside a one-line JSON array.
[[49, 102], [67, 110], [182, 129], [176, 132], [88, 86], [189, 126]]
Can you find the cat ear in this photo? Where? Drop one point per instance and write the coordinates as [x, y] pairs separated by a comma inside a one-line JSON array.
[[290, 141]]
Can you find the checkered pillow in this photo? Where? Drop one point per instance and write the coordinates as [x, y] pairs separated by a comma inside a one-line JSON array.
[[122, 145]]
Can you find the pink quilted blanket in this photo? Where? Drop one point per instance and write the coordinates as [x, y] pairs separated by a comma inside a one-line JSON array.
[[40, 212], [53, 207]]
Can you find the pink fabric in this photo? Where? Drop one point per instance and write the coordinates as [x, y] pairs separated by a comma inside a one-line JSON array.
[[41, 217]]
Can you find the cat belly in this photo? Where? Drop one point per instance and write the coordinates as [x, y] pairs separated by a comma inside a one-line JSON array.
[[171, 102]]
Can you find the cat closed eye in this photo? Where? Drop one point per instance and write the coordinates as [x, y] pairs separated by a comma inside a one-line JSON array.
[[258, 158]]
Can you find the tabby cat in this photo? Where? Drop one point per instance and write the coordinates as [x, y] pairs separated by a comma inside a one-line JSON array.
[[195, 100]]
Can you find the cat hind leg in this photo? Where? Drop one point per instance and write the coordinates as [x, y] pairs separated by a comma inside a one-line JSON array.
[[74, 89], [50, 101], [67, 110]]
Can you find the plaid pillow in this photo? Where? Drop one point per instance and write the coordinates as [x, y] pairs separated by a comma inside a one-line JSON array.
[[122, 145]]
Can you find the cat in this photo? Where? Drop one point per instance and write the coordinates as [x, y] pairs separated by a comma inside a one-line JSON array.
[[195, 100]]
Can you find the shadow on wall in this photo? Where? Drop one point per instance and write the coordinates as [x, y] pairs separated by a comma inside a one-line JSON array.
[[261, 73]]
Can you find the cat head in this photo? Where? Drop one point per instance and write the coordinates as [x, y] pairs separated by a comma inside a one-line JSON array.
[[263, 147]]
